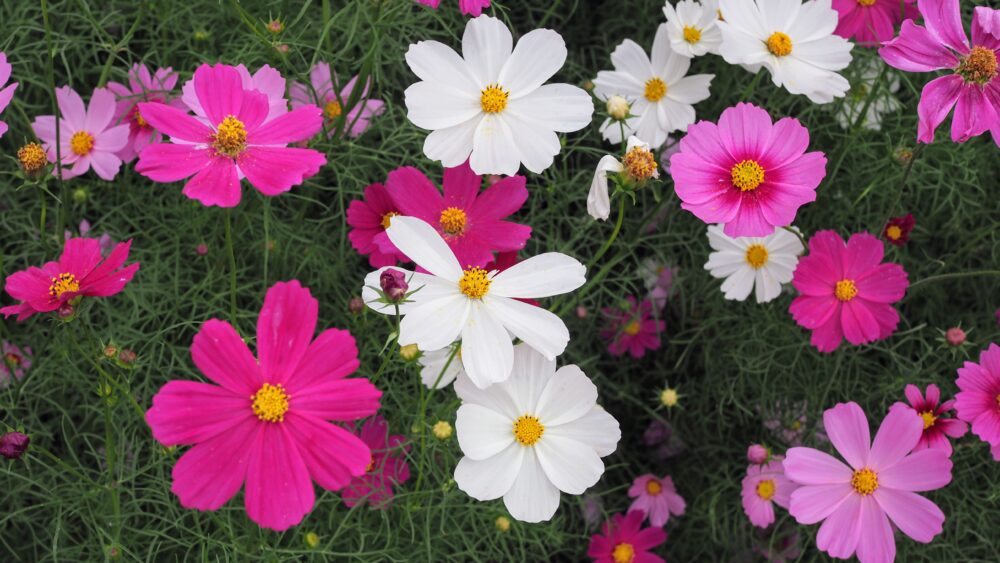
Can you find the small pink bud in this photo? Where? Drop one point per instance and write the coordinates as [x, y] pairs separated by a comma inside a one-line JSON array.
[[13, 445], [127, 356], [66, 311], [757, 454], [201, 249], [493, 179], [110, 351], [283, 49], [581, 312], [275, 26], [955, 336], [356, 305], [394, 285]]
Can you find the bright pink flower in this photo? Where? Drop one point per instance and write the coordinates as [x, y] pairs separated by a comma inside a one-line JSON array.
[[978, 399], [472, 8], [870, 22], [937, 427], [632, 329], [879, 483], [87, 137], [368, 219], [80, 271], [656, 498], [142, 87], [237, 142], [974, 87], [6, 94], [387, 468], [14, 361], [266, 80], [763, 487], [324, 92], [847, 291], [107, 243], [746, 172], [471, 222], [624, 539], [265, 423]]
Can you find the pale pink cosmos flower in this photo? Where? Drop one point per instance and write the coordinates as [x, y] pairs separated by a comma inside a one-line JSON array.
[[88, 137], [937, 427], [14, 361], [472, 8], [266, 80], [6, 94], [870, 22], [656, 498], [235, 143], [857, 500], [142, 86], [978, 399], [324, 93], [763, 487]]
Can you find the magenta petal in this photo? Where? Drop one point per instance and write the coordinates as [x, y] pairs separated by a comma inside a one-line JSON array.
[[332, 455], [415, 195], [461, 186], [985, 28], [807, 466], [80, 256], [847, 428], [210, 473], [112, 284], [745, 131], [340, 399], [860, 326], [864, 253], [914, 396], [876, 544], [974, 114], [188, 412], [917, 50], [220, 354], [915, 516], [166, 162], [297, 125], [943, 18], [924, 470], [175, 123], [936, 100], [885, 283], [285, 328], [216, 184], [501, 199], [220, 91], [275, 170], [333, 355], [279, 491], [29, 285], [253, 112]]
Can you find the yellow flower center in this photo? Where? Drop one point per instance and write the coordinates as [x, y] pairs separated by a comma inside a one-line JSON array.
[[387, 218], [475, 283], [63, 283], [81, 143], [633, 328], [979, 66], [12, 359], [779, 44], [655, 89], [866, 2], [718, 15], [32, 157], [332, 109], [371, 465], [864, 481], [270, 403], [639, 164], [528, 430], [493, 99], [137, 117], [845, 290], [893, 232], [756, 256], [453, 220], [231, 137], [766, 489], [929, 419], [669, 397], [653, 487], [692, 34], [623, 553], [747, 175]]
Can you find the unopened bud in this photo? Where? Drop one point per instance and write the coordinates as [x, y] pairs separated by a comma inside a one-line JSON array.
[[110, 351], [66, 311], [503, 524], [442, 430], [356, 305], [409, 352], [757, 454], [80, 195], [127, 356], [581, 312], [275, 26], [394, 285], [201, 249], [14, 444], [312, 540], [618, 107], [955, 336]]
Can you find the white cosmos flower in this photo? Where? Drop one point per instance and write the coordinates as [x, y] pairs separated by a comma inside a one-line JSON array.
[[885, 100], [661, 95], [480, 307], [747, 263], [792, 39], [445, 364], [532, 436], [691, 28], [491, 102], [639, 164]]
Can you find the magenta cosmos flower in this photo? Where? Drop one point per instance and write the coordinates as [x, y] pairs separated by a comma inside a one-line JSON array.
[[142, 87], [81, 271], [87, 137], [472, 223], [847, 291], [870, 22], [14, 361], [6, 94], [266, 80], [746, 172], [325, 92], [265, 422], [472, 8], [978, 399], [937, 427], [236, 143], [763, 487], [879, 483], [632, 328], [368, 219], [624, 540], [973, 88], [387, 468], [656, 498]]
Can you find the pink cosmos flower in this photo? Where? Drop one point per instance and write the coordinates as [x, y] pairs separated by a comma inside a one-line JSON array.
[[870, 22], [236, 142], [87, 138], [656, 498], [973, 89], [266, 80], [978, 399], [107, 243], [788, 422], [879, 483], [13, 362], [387, 468], [142, 87], [623, 539], [937, 428], [847, 291], [324, 94], [368, 219], [763, 487], [471, 222], [746, 172], [6, 94], [265, 422], [633, 328], [81, 271], [472, 8]]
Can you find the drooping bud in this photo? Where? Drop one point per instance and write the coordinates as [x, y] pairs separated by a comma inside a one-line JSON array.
[[394, 285], [618, 107], [14, 444], [757, 454]]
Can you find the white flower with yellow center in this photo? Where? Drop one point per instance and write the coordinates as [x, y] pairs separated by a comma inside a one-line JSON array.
[[638, 165], [480, 307], [661, 95], [747, 263], [884, 102], [491, 102], [532, 436], [439, 368], [794, 40], [691, 28]]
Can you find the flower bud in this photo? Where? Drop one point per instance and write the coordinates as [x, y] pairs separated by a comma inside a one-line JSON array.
[[394, 285], [13, 445], [618, 107], [442, 430], [356, 305], [127, 356], [669, 397], [33, 159], [282, 48], [409, 352], [275, 26], [581, 312], [955, 336], [201, 249], [80, 196], [110, 351], [312, 540], [757, 454], [502, 524], [66, 312]]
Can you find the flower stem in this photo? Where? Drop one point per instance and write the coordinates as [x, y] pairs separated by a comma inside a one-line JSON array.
[[952, 276], [614, 233], [232, 268]]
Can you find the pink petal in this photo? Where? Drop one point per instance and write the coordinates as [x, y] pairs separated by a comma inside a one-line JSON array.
[[943, 19], [333, 355], [876, 544], [220, 91], [860, 326], [974, 114], [814, 312], [297, 125], [745, 131], [165, 162], [415, 195], [275, 170], [813, 503], [188, 412], [101, 110], [936, 100], [210, 473], [112, 284], [501, 199], [847, 428], [279, 491], [914, 396], [917, 50], [864, 253], [253, 112], [924, 470], [827, 337], [807, 466], [332, 455], [80, 256], [933, 396], [899, 433], [220, 354], [985, 28], [71, 108], [885, 283], [952, 427], [340, 399], [29, 285], [839, 534], [106, 164], [915, 516], [285, 328], [216, 184], [461, 186], [175, 123], [788, 141]]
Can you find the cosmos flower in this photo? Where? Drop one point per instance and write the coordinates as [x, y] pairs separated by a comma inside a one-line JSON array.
[[656, 498], [747, 263], [6, 93], [897, 230], [327, 93], [147, 87], [871, 22], [978, 399], [386, 470], [691, 28], [624, 540], [632, 328], [87, 137], [368, 219], [636, 167], [14, 361], [937, 427], [763, 487]]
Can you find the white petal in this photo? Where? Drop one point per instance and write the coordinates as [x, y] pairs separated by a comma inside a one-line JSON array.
[[537, 56], [648, 127], [438, 64], [609, 83], [674, 116], [598, 200], [491, 478], [661, 52], [740, 47], [725, 264], [767, 288], [435, 367], [432, 325], [597, 429], [493, 148], [453, 145], [745, 15], [486, 46], [572, 466], [829, 53], [533, 498], [487, 352], [629, 58], [673, 66], [545, 275], [719, 240], [779, 15], [532, 372], [482, 433], [567, 396], [814, 20], [691, 89], [559, 107], [539, 328], [430, 288], [494, 397], [537, 145], [739, 285], [430, 106], [422, 244]]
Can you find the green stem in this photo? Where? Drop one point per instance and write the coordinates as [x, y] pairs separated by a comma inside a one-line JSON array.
[[856, 126], [953, 276], [50, 70], [267, 237], [232, 268], [614, 233]]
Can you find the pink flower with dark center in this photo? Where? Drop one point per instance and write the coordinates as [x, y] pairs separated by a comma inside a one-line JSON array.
[[387, 468], [14, 361], [368, 219], [142, 87], [656, 498], [266, 80], [846, 291], [973, 88], [763, 487], [870, 22], [324, 93], [472, 8], [897, 230], [624, 540], [632, 328], [81, 271], [937, 427], [87, 137], [237, 142], [6, 94], [978, 399], [266, 421]]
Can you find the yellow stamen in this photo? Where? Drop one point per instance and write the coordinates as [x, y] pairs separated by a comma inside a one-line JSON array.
[[32, 157], [62, 284], [864, 481], [493, 98], [371, 465], [692, 34], [528, 430], [979, 66], [653, 487], [845, 290], [893, 232], [332, 109], [756, 256], [453, 220], [137, 117], [766, 489], [270, 403], [747, 175], [929, 419], [623, 553], [475, 283], [718, 15], [387, 218], [779, 44], [866, 2], [655, 89], [633, 328], [81, 143], [639, 164], [231, 137]]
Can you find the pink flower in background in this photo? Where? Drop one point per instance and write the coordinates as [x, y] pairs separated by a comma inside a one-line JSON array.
[[472, 222], [6, 94], [656, 498], [846, 290], [624, 539], [387, 468], [763, 487], [746, 172], [326, 90], [937, 428], [632, 328], [80, 271], [236, 143], [142, 87], [265, 423], [870, 22], [266, 80], [368, 219], [788, 422], [973, 89], [978, 399], [779, 544], [87, 137], [857, 500], [472, 8], [107, 243], [662, 440], [14, 361]]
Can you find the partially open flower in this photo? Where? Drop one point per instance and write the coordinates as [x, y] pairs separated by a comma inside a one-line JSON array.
[[637, 166], [618, 107], [394, 286]]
